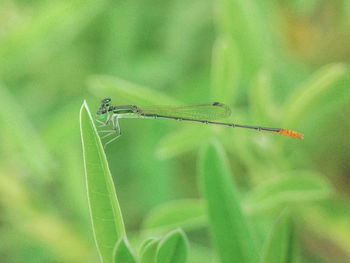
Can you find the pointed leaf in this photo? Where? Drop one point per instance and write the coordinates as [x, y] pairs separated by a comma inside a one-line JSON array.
[[145, 243], [123, 253], [173, 248], [228, 226], [107, 221], [148, 254], [280, 245]]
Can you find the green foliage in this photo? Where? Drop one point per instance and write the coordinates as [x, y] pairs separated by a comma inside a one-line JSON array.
[[276, 63], [148, 253], [105, 212], [122, 252], [106, 217], [231, 234], [280, 246], [173, 248]]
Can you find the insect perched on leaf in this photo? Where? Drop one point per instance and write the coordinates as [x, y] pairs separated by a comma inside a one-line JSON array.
[[203, 113]]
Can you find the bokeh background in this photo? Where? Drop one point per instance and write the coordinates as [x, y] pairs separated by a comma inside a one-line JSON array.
[[274, 62]]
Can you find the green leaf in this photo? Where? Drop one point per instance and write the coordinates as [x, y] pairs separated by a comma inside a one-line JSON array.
[[123, 253], [327, 88], [148, 252], [297, 187], [145, 243], [173, 248], [228, 226], [280, 245], [187, 214], [108, 86], [225, 70], [105, 212]]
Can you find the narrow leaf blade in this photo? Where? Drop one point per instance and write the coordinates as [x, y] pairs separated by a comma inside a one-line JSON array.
[[280, 246], [107, 221], [228, 226]]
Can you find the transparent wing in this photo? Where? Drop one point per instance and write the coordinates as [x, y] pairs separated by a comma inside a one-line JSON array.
[[208, 111]]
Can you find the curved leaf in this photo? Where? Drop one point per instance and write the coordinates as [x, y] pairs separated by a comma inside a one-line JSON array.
[[173, 248], [280, 246], [228, 226], [107, 221], [145, 243], [148, 253], [123, 253]]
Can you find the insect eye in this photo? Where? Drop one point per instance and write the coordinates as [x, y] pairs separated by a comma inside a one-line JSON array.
[[106, 101]]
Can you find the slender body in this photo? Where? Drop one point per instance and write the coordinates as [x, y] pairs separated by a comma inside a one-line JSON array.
[[203, 113]]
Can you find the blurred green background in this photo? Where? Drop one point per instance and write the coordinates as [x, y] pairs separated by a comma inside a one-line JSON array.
[[276, 63]]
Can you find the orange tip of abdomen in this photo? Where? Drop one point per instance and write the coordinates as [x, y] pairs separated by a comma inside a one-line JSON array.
[[292, 134]]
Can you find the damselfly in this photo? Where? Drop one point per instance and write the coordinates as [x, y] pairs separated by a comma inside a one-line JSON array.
[[203, 113]]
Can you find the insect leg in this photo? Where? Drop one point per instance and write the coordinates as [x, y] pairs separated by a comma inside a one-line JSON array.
[[116, 128]]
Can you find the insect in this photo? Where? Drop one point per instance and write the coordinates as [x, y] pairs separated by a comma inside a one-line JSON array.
[[205, 113]]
